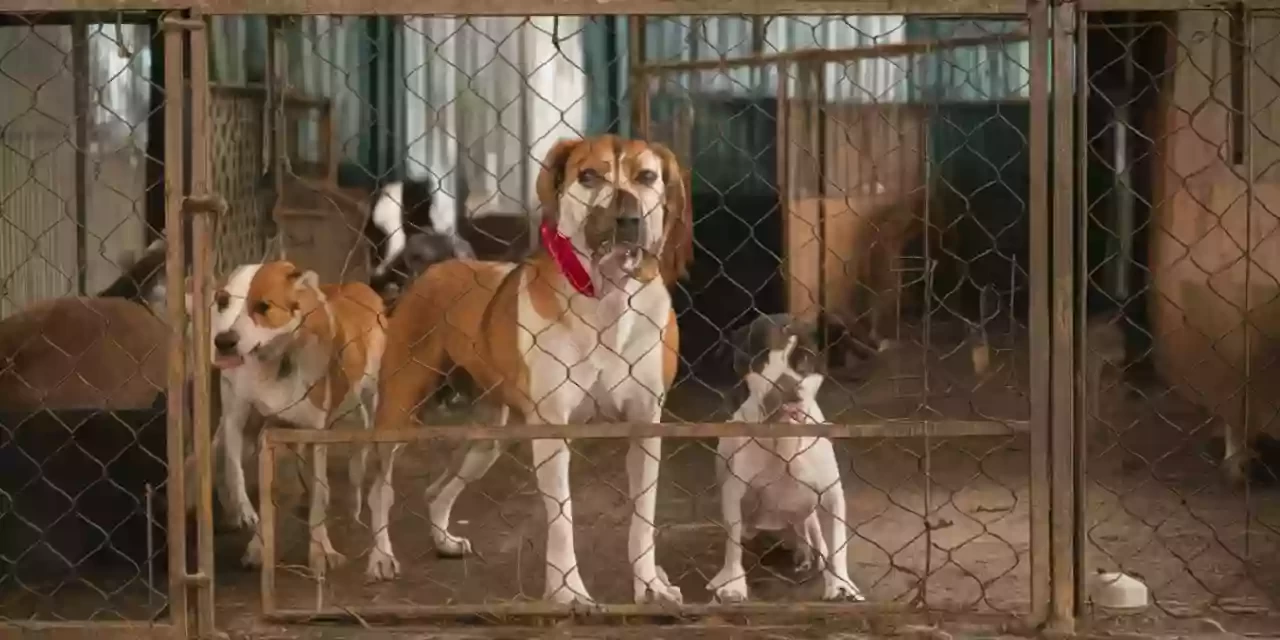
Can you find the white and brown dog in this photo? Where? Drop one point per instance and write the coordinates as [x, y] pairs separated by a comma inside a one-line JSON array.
[[582, 328], [301, 353], [785, 481]]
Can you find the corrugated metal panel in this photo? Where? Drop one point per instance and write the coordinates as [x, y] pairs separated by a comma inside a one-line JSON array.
[[38, 228], [120, 61], [688, 38], [971, 74], [325, 60], [486, 100]]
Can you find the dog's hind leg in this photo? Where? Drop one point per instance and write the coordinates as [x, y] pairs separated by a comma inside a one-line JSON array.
[[406, 379], [480, 457], [321, 555], [811, 546], [359, 458]]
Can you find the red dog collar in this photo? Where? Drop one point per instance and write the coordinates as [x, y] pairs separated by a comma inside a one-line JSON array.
[[561, 250]]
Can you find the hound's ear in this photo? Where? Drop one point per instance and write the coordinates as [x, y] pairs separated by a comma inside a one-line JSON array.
[[677, 246], [552, 176], [304, 279]]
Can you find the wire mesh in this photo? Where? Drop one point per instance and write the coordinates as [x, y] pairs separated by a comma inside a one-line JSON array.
[[1177, 149], [863, 183], [82, 419], [866, 175]]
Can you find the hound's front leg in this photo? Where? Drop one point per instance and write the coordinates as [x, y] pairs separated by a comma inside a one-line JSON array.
[[644, 462], [551, 465]]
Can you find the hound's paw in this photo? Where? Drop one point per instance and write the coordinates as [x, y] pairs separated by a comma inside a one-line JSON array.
[[321, 560], [567, 595], [729, 586], [841, 590], [657, 590], [252, 558], [449, 545], [382, 566]]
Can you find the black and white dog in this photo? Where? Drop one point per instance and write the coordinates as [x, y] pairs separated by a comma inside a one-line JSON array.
[[408, 234]]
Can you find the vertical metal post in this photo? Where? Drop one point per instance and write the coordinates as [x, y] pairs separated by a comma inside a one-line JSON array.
[[1038, 316], [1244, 17], [640, 115], [280, 146], [267, 520], [782, 136], [1081, 275], [175, 260], [1062, 327], [80, 76], [201, 269]]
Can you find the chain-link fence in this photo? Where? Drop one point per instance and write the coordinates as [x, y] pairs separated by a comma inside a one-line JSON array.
[[1176, 155], [866, 176], [907, 364], [84, 339]]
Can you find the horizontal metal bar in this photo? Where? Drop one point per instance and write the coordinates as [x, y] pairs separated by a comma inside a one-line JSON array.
[[505, 612], [97, 630], [539, 7], [182, 23], [51, 17], [833, 55], [904, 429], [1171, 5], [292, 97]]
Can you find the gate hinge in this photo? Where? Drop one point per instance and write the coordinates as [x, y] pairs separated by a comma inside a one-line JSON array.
[[204, 203]]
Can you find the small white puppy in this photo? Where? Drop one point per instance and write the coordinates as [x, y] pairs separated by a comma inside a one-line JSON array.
[[789, 480]]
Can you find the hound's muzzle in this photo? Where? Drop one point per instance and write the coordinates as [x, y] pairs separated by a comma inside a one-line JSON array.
[[619, 234]]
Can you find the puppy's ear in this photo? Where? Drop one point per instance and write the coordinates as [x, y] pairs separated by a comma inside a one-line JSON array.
[[304, 279]]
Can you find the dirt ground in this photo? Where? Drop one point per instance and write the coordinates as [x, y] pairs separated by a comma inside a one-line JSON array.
[[942, 523]]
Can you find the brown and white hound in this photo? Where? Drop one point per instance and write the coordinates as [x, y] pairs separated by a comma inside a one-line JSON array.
[[583, 328]]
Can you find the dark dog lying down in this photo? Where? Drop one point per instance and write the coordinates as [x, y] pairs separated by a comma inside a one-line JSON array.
[[82, 425]]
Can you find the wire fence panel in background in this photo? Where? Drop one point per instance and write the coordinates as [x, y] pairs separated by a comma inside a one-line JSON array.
[[84, 334], [1177, 150]]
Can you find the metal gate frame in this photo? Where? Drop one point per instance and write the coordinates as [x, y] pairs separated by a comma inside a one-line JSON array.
[[1053, 303]]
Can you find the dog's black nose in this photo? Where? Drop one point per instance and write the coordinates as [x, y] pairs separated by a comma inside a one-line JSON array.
[[627, 230], [226, 341]]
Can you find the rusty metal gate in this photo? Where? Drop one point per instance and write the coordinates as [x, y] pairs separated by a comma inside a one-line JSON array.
[[1031, 239]]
